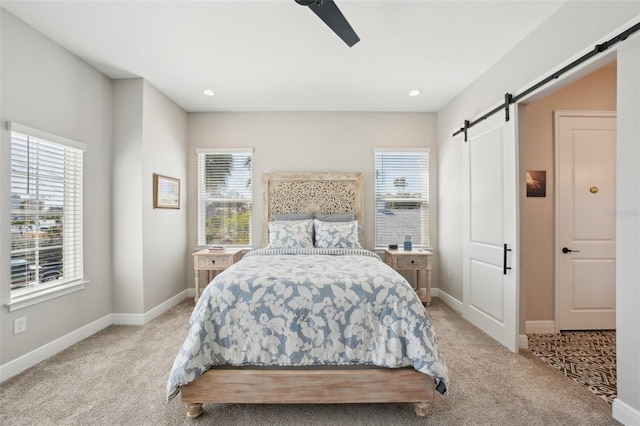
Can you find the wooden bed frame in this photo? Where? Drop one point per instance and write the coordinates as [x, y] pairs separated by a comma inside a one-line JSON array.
[[297, 385], [320, 193]]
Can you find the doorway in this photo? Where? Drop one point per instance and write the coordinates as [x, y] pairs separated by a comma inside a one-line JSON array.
[[541, 245], [595, 91]]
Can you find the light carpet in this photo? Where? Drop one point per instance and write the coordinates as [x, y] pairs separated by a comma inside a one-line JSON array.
[[118, 377]]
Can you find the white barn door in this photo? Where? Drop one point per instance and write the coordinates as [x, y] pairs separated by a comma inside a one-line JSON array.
[[490, 257]]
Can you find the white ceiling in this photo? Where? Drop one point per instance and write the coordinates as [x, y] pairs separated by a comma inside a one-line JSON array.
[[279, 56]]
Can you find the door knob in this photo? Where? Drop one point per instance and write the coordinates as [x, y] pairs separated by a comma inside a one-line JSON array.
[[566, 250]]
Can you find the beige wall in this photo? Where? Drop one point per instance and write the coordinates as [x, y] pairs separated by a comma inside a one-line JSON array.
[[164, 240], [126, 205], [312, 142], [46, 87], [596, 91], [149, 245]]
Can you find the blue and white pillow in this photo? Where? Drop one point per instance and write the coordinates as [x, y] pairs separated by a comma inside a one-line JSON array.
[[336, 234], [291, 234]]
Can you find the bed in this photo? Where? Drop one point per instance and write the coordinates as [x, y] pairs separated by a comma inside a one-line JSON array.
[[300, 322]]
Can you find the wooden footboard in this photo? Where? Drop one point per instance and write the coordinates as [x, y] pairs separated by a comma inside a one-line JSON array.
[[309, 386]]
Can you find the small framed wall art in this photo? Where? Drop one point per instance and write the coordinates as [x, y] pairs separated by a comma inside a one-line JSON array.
[[166, 192], [536, 183]]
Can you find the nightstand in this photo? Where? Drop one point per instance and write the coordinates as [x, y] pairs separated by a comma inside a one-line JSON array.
[[415, 260], [205, 260]]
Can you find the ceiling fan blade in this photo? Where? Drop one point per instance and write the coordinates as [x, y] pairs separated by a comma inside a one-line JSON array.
[[328, 11]]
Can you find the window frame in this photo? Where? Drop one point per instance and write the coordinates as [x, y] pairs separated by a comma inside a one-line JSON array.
[[425, 227], [72, 247], [201, 203]]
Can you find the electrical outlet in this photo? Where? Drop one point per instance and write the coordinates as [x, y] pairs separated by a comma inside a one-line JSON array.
[[20, 325]]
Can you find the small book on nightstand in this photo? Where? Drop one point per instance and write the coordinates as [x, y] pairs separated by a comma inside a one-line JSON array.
[[215, 249]]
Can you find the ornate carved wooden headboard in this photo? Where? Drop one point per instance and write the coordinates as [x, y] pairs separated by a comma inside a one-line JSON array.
[[320, 193]]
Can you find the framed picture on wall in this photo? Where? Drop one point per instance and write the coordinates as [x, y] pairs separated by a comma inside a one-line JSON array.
[[536, 183], [166, 192]]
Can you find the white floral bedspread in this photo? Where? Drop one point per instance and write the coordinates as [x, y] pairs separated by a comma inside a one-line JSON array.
[[317, 307]]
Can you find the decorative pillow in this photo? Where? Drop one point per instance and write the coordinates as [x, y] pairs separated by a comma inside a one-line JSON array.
[[291, 234], [293, 216], [342, 217], [336, 234]]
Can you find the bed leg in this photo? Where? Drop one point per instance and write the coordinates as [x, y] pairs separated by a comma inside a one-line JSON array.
[[194, 409], [422, 408]]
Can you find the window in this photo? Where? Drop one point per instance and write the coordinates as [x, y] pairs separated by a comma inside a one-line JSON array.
[[46, 211], [402, 196], [224, 197]]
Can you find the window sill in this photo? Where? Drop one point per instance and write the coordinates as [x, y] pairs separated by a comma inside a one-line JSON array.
[[32, 298]]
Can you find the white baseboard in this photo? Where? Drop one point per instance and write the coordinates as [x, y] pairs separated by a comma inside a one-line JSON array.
[[453, 303], [165, 306], [127, 319], [435, 292], [540, 327], [142, 319], [523, 341], [38, 355], [624, 413]]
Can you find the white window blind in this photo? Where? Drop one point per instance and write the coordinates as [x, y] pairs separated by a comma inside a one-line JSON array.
[[402, 196], [46, 210], [224, 197]]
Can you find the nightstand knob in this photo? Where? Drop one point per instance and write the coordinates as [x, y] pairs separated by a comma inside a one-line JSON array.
[[413, 261], [213, 261]]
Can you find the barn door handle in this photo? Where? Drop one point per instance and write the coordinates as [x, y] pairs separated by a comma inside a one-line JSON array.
[[505, 268], [566, 250]]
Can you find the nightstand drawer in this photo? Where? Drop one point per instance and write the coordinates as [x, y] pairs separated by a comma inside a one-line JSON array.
[[412, 262], [215, 262], [418, 261]]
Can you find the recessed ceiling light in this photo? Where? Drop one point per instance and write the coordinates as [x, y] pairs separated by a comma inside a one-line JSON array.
[[414, 93], [209, 92]]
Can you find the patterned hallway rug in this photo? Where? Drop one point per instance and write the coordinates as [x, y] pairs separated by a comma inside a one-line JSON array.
[[587, 357]]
